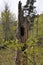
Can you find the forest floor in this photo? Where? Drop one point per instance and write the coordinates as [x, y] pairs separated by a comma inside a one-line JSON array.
[[7, 57]]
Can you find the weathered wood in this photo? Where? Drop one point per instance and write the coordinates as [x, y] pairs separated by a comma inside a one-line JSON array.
[[21, 58], [22, 36], [23, 25]]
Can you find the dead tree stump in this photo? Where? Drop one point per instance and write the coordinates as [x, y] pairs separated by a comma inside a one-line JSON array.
[[22, 35], [23, 25]]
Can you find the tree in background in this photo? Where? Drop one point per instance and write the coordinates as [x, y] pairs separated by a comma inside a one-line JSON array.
[[7, 20], [29, 11]]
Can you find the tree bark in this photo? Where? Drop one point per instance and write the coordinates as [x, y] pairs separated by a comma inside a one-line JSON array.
[[21, 58]]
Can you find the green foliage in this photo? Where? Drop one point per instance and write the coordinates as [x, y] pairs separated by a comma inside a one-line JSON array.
[[8, 21], [34, 43]]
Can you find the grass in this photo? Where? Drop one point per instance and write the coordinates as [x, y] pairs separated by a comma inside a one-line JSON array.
[[7, 57]]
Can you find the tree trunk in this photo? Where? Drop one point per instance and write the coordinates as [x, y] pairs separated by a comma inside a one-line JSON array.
[[21, 58]]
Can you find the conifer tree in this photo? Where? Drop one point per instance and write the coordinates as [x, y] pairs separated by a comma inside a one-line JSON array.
[[5, 17], [29, 11]]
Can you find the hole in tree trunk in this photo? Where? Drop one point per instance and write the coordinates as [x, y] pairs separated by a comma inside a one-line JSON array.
[[22, 31]]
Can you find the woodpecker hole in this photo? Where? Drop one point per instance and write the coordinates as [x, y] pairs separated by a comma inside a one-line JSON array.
[[22, 31]]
